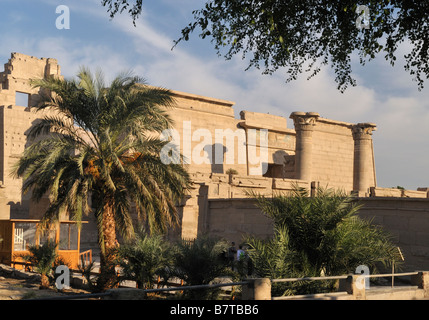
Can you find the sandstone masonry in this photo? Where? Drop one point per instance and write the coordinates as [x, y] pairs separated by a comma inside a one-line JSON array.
[[316, 152]]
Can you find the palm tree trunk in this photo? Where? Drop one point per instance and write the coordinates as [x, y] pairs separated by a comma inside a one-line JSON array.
[[44, 283], [108, 248]]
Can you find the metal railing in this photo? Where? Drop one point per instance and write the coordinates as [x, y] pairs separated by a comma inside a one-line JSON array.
[[180, 288], [393, 275], [195, 287], [76, 296], [343, 277], [232, 284], [308, 279]]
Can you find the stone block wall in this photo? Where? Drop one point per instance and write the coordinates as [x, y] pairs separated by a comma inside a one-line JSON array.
[[220, 205], [234, 219], [407, 219], [198, 121], [16, 120], [333, 151], [421, 193]]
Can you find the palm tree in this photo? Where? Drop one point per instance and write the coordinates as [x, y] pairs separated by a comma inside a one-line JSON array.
[[315, 236], [200, 261], [145, 259], [43, 257], [101, 144]]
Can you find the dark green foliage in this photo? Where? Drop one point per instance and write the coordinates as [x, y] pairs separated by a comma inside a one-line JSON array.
[[145, 258], [317, 236], [42, 257], [102, 142], [45, 260], [200, 262], [302, 36], [196, 262], [115, 6], [87, 273]]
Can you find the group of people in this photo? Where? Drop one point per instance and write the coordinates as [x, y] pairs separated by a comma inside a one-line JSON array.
[[234, 254], [240, 256]]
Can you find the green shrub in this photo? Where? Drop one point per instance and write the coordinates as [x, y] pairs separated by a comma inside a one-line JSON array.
[[45, 260], [144, 259], [199, 262], [317, 236]]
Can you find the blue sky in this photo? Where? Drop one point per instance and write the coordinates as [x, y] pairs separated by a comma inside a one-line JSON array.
[[384, 95]]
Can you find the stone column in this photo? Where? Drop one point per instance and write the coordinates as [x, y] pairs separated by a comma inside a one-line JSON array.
[[189, 223], [304, 126], [422, 281], [356, 287], [257, 289], [363, 163]]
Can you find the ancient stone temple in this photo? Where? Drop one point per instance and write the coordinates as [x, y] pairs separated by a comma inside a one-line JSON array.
[[16, 98], [226, 157]]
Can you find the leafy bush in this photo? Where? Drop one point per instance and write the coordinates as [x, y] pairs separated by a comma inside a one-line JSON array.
[[231, 171], [316, 236], [86, 270], [200, 262], [45, 260], [144, 259]]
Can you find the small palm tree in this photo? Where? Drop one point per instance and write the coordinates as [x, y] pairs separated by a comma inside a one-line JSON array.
[[43, 258], [145, 258], [315, 236], [199, 262], [101, 142]]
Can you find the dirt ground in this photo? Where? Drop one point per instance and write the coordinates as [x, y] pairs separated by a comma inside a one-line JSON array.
[[18, 289]]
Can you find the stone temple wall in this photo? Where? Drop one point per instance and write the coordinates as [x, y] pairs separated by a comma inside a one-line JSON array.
[[17, 95], [227, 157]]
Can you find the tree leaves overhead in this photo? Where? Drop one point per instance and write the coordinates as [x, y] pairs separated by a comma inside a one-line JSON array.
[[304, 36], [115, 6]]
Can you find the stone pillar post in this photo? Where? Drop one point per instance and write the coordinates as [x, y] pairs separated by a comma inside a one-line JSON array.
[[422, 281], [189, 223], [257, 289], [363, 163], [304, 125], [355, 286]]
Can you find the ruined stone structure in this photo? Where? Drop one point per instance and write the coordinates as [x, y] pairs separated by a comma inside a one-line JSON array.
[[260, 149], [16, 97], [226, 157]]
